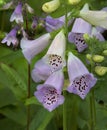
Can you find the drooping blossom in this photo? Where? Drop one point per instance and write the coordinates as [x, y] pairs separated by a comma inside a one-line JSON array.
[[11, 37], [97, 18], [51, 6], [30, 48], [28, 8], [52, 24], [8, 5], [81, 80], [34, 23], [49, 93], [97, 34], [101, 29], [17, 14], [54, 59], [79, 28]]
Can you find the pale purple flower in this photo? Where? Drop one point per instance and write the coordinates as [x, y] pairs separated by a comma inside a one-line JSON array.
[[81, 80], [49, 93], [101, 29], [11, 37], [34, 23], [79, 28], [17, 14], [54, 59], [30, 48], [52, 24], [97, 34], [97, 18]]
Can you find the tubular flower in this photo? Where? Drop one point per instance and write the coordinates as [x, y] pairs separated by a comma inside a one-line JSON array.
[[80, 28], [49, 93], [30, 48], [11, 37], [52, 24], [97, 34], [17, 14], [51, 6], [34, 23], [53, 60], [97, 18], [81, 81]]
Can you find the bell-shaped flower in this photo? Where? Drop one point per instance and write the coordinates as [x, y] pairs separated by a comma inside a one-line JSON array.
[[8, 5], [17, 14], [79, 28], [81, 81], [11, 37], [30, 48], [28, 8], [49, 93], [101, 29], [97, 18], [34, 23], [97, 34], [51, 6], [52, 24], [53, 60]]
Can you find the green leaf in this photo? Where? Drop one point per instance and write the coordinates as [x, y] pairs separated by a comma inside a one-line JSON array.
[[19, 86], [16, 113], [32, 100], [7, 124], [41, 120], [14, 76], [6, 93]]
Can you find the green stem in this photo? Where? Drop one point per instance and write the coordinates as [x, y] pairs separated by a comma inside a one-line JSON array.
[[64, 113], [92, 98], [28, 96]]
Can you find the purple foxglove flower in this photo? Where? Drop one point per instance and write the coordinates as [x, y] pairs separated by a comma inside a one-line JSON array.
[[81, 81], [30, 48], [101, 29], [53, 60], [49, 93], [8, 5], [53, 24], [34, 23], [97, 34], [97, 18], [17, 14], [11, 37], [79, 28]]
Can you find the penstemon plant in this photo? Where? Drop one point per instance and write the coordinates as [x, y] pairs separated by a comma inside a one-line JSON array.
[[53, 66]]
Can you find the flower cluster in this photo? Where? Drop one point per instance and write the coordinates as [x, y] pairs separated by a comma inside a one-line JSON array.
[[49, 69]]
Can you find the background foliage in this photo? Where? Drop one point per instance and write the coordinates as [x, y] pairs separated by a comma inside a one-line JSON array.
[[13, 86]]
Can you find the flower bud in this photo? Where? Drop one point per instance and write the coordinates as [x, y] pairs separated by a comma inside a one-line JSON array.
[[98, 58], [100, 70], [105, 52], [89, 56], [86, 36], [51, 6], [73, 2]]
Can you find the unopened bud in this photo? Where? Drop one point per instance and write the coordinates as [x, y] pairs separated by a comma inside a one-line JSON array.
[[86, 36], [89, 56], [73, 2], [100, 70], [105, 52], [51, 6], [98, 58]]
